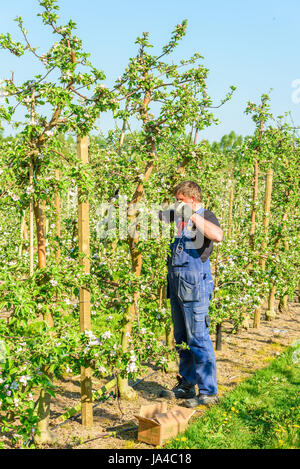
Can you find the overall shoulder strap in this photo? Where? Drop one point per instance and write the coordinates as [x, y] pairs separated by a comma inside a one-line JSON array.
[[200, 211]]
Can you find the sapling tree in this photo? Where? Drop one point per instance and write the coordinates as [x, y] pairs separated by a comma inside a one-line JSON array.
[[67, 96], [165, 98]]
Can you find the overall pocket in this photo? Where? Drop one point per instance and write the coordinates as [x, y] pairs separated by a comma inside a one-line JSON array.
[[180, 257], [199, 326], [189, 286], [210, 288], [201, 322]]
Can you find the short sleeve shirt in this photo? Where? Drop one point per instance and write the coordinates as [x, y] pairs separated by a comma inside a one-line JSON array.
[[200, 247], [206, 245]]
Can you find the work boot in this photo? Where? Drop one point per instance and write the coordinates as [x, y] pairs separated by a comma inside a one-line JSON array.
[[182, 390], [202, 399]]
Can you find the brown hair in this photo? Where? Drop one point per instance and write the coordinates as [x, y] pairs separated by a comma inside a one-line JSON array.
[[189, 188]]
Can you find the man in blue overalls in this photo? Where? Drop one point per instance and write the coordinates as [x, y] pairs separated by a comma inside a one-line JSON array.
[[190, 287]]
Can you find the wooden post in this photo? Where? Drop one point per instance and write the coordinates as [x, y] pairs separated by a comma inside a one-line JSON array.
[[219, 325], [57, 221], [283, 307], [39, 211], [31, 221], [84, 294], [255, 194], [266, 214], [270, 313], [267, 205], [31, 201]]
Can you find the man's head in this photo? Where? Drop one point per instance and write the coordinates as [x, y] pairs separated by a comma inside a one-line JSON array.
[[188, 192]]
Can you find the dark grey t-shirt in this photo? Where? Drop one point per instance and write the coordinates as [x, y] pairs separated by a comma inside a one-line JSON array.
[[205, 245], [207, 248]]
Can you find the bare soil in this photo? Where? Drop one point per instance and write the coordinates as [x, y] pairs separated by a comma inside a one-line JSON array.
[[115, 425]]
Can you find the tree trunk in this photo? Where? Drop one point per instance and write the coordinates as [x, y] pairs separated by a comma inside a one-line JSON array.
[[230, 214], [171, 365], [271, 313], [122, 137], [136, 259], [219, 336], [195, 137], [283, 304], [43, 436], [22, 229]]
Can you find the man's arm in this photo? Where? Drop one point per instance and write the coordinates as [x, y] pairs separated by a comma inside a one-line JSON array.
[[209, 229]]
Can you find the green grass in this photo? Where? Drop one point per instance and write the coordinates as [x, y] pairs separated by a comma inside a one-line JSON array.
[[261, 413]]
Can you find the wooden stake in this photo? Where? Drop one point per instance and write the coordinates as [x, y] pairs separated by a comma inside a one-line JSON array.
[[267, 205], [39, 211], [31, 221], [255, 194], [219, 325], [270, 313], [266, 213], [84, 294], [57, 221], [31, 204]]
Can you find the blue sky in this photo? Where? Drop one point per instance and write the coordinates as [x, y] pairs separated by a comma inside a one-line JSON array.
[[253, 45]]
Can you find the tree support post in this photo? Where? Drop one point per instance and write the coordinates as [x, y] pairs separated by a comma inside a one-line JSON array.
[[31, 220], [267, 205], [218, 344], [57, 221], [84, 294]]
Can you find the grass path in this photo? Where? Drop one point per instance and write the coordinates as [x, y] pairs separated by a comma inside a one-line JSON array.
[[261, 413]]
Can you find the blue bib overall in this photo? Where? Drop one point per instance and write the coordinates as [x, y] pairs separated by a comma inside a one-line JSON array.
[[190, 287]]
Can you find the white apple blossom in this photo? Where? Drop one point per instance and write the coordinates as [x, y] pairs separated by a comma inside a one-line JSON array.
[[106, 335], [24, 380], [102, 369], [29, 190]]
